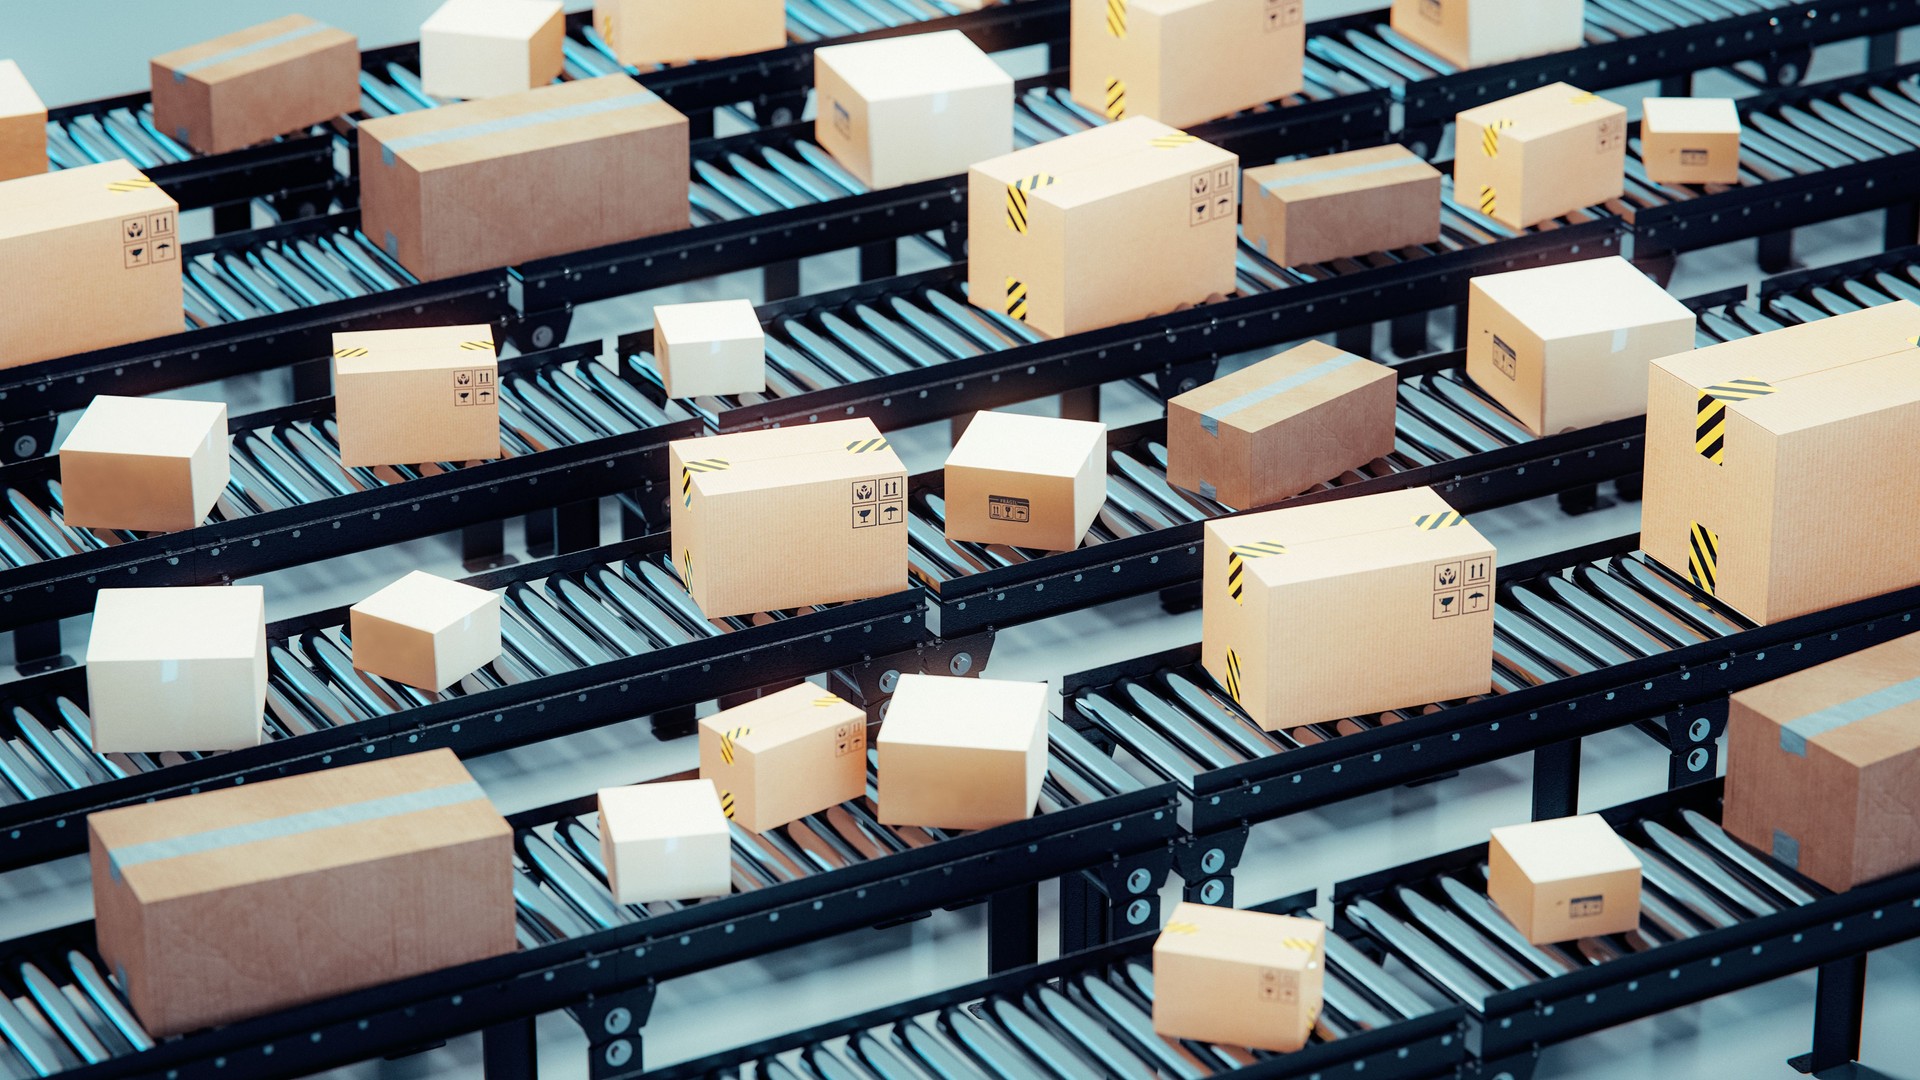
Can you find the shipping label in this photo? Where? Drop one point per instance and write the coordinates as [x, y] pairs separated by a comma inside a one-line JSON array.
[[1693, 157], [1008, 508], [879, 501], [1504, 358], [1281, 14], [1586, 907]]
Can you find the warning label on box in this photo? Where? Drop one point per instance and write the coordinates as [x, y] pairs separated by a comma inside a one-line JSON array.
[[879, 501], [1585, 907], [1504, 358], [1008, 508], [1281, 14], [1613, 134]]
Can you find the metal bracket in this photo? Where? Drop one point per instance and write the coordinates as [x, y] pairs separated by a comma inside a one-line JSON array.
[[612, 1025], [1111, 901], [872, 682], [1519, 1067], [1693, 738], [1206, 865]]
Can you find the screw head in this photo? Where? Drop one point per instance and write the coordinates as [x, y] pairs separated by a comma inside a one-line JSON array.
[[1697, 759], [782, 115], [24, 447], [543, 337], [1213, 860], [1699, 729], [961, 664], [618, 1020], [1138, 881], [1212, 892], [619, 1052], [1138, 911], [889, 679]]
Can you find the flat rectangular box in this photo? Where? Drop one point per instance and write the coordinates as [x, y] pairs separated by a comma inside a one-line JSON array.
[[1383, 198], [1055, 231], [778, 758], [177, 669], [788, 517], [277, 78], [1746, 445], [89, 258], [1556, 365], [1026, 481], [712, 348], [144, 464], [667, 840], [644, 33], [900, 110], [1298, 605], [485, 48], [506, 180], [1564, 879], [1276, 428], [1538, 155], [962, 753], [241, 901], [404, 397], [23, 125], [425, 631], [1823, 766], [1476, 33], [1183, 62], [1690, 140], [1238, 978]]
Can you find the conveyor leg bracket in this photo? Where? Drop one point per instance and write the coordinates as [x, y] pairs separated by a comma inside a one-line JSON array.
[[1206, 864], [872, 682], [612, 1025], [1108, 902]]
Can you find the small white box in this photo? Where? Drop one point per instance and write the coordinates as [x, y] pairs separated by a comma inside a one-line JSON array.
[[710, 348], [145, 464], [906, 109], [665, 841], [177, 669], [425, 631], [485, 48], [962, 753]]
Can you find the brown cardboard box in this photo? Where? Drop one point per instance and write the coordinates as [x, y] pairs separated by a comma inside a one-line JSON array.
[[1557, 365], [89, 258], [145, 464], [1238, 978], [1183, 62], [1276, 428], [778, 758], [485, 48], [962, 753], [450, 191], [1823, 766], [1535, 156], [667, 840], [1564, 879], [249, 86], [900, 110], [788, 517], [649, 32], [1690, 140], [237, 902], [430, 393], [1476, 33], [177, 669], [23, 125], [1783, 470], [1026, 481], [426, 631], [717, 347], [1299, 604], [1383, 198], [1056, 230]]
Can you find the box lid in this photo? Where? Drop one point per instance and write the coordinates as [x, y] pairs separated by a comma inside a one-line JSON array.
[[109, 191], [363, 352], [1239, 936], [1280, 386], [146, 427], [1563, 848], [1697, 116], [1614, 297], [776, 457], [1548, 110], [426, 602], [252, 49], [1104, 161], [514, 20], [777, 718], [1350, 536], [1335, 174], [562, 114], [662, 808], [710, 320], [917, 65], [16, 94], [189, 622], [1863, 708], [979, 714], [1038, 445]]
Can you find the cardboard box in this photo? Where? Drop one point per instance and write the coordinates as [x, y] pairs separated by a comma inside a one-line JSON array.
[[1055, 231], [788, 517], [1299, 605], [1238, 978], [145, 464], [1536, 156], [667, 840], [1276, 428], [778, 758], [1783, 470], [1026, 481], [426, 631], [900, 110], [1183, 62], [89, 258], [1557, 366], [177, 669], [1383, 198], [277, 78], [1690, 140], [485, 48], [1823, 766], [1564, 879], [244, 900], [430, 393], [649, 32], [1476, 33], [453, 190], [962, 753], [23, 125], [713, 348]]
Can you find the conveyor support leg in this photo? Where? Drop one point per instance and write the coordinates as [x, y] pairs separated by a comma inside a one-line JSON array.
[[1556, 780], [1112, 901], [1013, 928], [1206, 865], [509, 1050], [1840, 999], [612, 1025]]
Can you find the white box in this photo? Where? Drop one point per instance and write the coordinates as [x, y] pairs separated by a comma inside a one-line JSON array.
[[1476, 33], [177, 669], [146, 464], [425, 631], [710, 348], [962, 753], [667, 840], [906, 109], [485, 48]]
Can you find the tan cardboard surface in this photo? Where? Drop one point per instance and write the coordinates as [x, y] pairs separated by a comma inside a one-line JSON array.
[[1027, 481], [1476, 33], [238, 89], [145, 464], [23, 125], [962, 753], [426, 631], [1540, 154], [1564, 879], [647, 32], [1185, 61], [1382, 198], [1238, 978], [900, 110], [403, 397], [1690, 140], [778, 758]]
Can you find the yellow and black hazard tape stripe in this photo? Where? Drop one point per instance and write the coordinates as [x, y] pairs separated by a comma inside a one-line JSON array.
[[138, 183], [1233, 674], [348, 354], [1490, 136], [1183, 928], [1299, 945], [1173, 141], [686, 571], [867, 446], [705, 466], [476, 346], [1116, 99], [728, 738], [1117, 18], [1583, 98], [1445, 519], [826, 701], [1489, 200], [1703, 558], [1710, 414], [1016, 299], [1017, 199], [1237, 567], [726, 803]]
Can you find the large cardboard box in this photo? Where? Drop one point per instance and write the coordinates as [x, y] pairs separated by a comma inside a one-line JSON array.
[[485, 48], [89, 258], [1056, 231], [1383, 198], [1476, 33], [273, 79], [1823, 766], [962, 753], [667, 840], [177, 669], [1276, 428], [23, 125], [649, 32], [788, 517], [1537, 155], [523, 176], [1026, 481], [900, 110], [1690, 140], [1783, 470], [425, 631], [1564, 879], [244, 900], [429, 393], [145, 464], [715, 347], [1238, 978], [1558, 365], [1299, 605], [1183, 62], [778, 758]]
